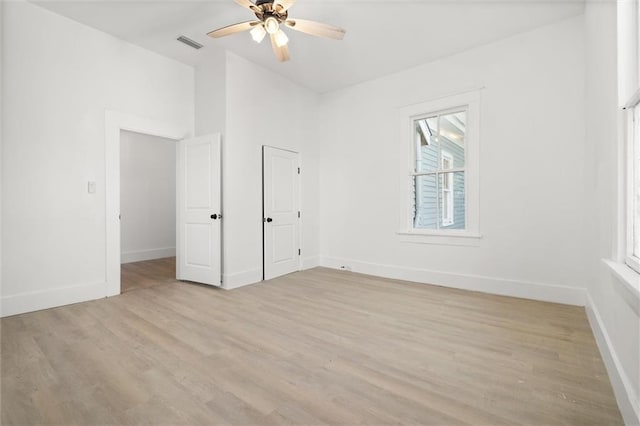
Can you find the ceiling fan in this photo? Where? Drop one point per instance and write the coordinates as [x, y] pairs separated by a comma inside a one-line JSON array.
[[272, 14]]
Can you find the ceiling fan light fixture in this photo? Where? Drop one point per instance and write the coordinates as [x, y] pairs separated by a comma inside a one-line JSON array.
[[258, 33], [281, 38], [270, 16], [271, 25]]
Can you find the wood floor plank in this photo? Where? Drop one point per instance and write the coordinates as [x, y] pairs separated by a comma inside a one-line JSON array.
[[315, 347]]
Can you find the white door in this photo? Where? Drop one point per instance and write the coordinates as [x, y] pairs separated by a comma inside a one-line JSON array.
[[281, 205], [198, 216]]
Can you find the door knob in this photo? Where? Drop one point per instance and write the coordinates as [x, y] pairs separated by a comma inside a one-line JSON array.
[[216, 216], [269, 219]]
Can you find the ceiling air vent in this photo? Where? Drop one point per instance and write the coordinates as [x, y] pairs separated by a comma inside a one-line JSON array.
[[189, 42]]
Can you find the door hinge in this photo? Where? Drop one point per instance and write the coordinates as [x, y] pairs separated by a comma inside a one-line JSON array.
[[298, 215], [299, 252], [298, 170]]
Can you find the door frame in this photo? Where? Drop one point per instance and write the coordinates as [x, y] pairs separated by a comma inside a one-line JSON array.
[[300, 263], [114, 123]]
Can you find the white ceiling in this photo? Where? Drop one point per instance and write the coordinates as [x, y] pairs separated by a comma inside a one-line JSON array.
[[382, 36]]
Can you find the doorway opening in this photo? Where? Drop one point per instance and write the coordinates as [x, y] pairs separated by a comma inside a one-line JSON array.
[[147, 210]]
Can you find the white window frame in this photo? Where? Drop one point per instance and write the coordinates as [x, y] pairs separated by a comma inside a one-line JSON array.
[[470, 102], [623, 259], [632, 135], [448, 215], [622, 264]]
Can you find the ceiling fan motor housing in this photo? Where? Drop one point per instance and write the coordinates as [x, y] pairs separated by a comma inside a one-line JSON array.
[[265, 9]]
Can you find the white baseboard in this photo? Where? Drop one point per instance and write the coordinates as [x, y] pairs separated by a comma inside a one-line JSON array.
[[241, 279], [622, 388], [310, 262], [38, 300], [140, 255], [492, 285]]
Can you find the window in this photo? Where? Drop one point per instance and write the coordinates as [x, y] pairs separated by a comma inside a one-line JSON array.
[[438, 183], [629, 80], [441, 198]]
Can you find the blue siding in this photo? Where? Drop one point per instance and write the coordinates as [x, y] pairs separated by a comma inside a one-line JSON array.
[[425, 194]]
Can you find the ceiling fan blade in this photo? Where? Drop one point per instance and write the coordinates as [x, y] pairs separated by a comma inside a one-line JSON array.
[[282, 53], [316, 28], [247, 3], [232, 29], [282, 5]]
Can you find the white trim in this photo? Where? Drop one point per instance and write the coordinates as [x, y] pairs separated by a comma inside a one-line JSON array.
[[443, 237], [241, 279], [629, 278], [300, 259], [620, 204], [50, 298], [2, 101], [633, 262], [493, 285], [630, 202], [114, 123], [470, 102], [622, 387], [635, 100], [251, 277], [150, 254], [310, 262], [446, 155]]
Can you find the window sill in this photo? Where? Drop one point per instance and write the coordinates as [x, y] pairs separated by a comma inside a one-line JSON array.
[[450, 238], [629, 278]]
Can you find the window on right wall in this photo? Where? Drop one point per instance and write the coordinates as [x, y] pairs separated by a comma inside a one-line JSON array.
[[629, 43], [441, 197]]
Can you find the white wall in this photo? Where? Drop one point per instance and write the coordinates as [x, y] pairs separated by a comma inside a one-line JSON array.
[[531, 166], [614, 312], [628, 48], [263, 109], [59, 78], [147, 197], [2, 50], [210, 94]]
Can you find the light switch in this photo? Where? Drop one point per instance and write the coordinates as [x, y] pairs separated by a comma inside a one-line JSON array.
[[91, 187]]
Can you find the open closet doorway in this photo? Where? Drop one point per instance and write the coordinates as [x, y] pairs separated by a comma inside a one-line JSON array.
[[147, 210]]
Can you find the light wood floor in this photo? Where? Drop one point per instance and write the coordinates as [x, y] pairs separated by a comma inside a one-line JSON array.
[[314, 347], [150, 273]]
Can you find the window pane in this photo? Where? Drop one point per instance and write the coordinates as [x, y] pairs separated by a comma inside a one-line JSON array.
[[427, 144], [424, 211], [446, 160], [451, 200], [452, 136]]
